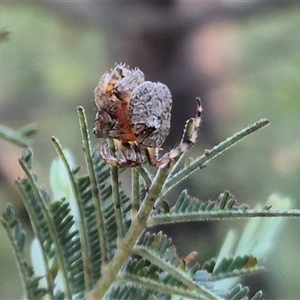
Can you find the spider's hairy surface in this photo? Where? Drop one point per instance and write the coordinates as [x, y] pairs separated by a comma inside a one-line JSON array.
[[137, 114], [131, 109]]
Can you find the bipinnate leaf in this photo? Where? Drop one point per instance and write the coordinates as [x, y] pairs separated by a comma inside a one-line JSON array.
[[17, 237], [128, 291], [103, 251], [240, 293], [190, 209], [69, 241], [173, 271], [232, 267]]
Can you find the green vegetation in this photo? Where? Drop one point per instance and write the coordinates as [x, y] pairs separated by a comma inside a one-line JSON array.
[[51, 64], [102, 249]]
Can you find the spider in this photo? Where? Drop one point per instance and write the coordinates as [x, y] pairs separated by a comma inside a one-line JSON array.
[[136, 114]]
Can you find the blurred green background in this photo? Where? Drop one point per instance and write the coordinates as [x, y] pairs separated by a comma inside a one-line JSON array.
[[241, 58]]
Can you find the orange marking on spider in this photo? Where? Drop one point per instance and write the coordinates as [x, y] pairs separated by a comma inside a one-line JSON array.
[[137, 114]]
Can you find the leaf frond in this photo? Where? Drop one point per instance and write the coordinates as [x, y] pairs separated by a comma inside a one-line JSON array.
[[103, 250], [140, 273], [70, 243], [40, 229], [189, 209], [240, 293], [109, 230], [92, 167], [232, 267], [82, 218], [127, 291], [209, 154], [17, 237], [158, 249]]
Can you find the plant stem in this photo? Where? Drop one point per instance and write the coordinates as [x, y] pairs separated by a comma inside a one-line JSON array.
[[135, 192], [138, 224], [145, 175], [116, 196], [136, 229], [95, 191]]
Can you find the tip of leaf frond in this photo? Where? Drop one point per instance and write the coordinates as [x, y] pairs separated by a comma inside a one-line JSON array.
[[265, 121]]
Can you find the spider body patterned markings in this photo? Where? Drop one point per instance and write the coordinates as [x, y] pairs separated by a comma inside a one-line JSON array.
[[136, 114]]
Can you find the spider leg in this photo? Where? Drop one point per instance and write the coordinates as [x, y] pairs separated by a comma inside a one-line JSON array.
[[151, 155], [137, 150], [110, 157], [188, 138], [131, 154]]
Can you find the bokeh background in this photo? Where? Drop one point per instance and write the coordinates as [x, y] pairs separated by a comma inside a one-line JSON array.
[[242, 58]]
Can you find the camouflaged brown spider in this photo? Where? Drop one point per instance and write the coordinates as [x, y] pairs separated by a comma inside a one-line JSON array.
[[136, 114]]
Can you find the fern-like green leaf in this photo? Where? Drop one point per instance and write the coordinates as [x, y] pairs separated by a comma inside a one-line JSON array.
[[103, 250], [159, 251], [40, 228], [187, 209], [142, 268], [17, 236], [70, 242], [240, 293], [209, 154], [102, 173], [232, 266], [127, 291], [91, 225], [139, 273]]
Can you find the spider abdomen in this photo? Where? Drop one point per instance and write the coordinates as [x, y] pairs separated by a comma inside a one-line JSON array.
[[131, 109], [150, 113]]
